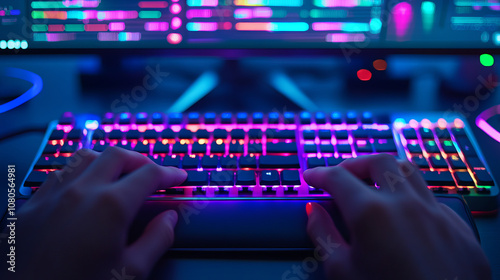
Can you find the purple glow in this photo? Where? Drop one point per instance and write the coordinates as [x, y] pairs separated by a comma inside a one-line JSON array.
[[90, 14], [199, 13], [176, 23], [107, 36], [326, 26], [344, 37], [262, 12], [340, 3], [57, 37], [116, 26], [81, 3], [2, 13], [113, 15], [156, 26], [481, 122], [403, 15]]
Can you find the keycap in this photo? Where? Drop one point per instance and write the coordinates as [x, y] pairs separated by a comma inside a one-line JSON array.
[[175, 118], [160, 148], [255, 133], [305, 118], [344, 148], [67, 118], [410, 133], [226, 118], [179, 148], [220, 133], [324, 134], [236, 148], [315, 162], [108, 119], [475, 163], [217, 149], [360, 133], [248, 162], [481, 190], [290, 177], [242, 118], [320, 118], [280, 134], [438, 162], [387, 147], [414, 148], [458, 131], [157, 118], [198, 148], [438, 178], [141, 118], [115, 134], [255, 148], [157, 160], [209, 161], [222, 178], [209, 118], [167, 134], [463, 178], [363, 147], [457, 163], [196, 178], [124, 118], [228, 162], [51, 149], [237, 134], [310, 148], [279, 162], [273, 118], [150, 134], [202, 134], [98, 147], [171, 161], [336, 118], [341, 134], [448, 147], [98, 134], [193, 118], [132, 134], [483, 178], [443, 133], [185, 134], [189, 162], [75, 134], [269, 177], [68, 149], [35, 179], [51, 163], [382, 134], [308, 134], [258, 118], [367, 118], [431, 147], [333, 161], [326, 148], [56, 135], [126, 146], [142, 148], [281, 147], [245, 177], [289, 117], [352, 118], [466, 146], [420, 161], [426, 133]]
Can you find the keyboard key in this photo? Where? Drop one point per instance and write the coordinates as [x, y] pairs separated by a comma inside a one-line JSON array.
[[410, 133], [245, 177], [341, 134], [209, 118], [242, 118], [336, 118], [258, 118], [458, 131], [209, 161], [308, 134], [333, 161], [248, 162], [367, 118], [431, 147], [222, 178], [463, 178], [236, 148], [273, 118], [320, 118], [237, 134], [193, 118], [466, 146], [179, 148], [255, 133], [115, 134], [305, 118], [35, 179], [160, 148], [217, 149], [98, 134], [457, 163], [57, 135], [443, 133], [51, 149], [281, 147], [483, 178], [158, 118], [68, 149], [228, 162], [141, 118], [414, 148], [310, 148], [420, 161], [382, 134], [157, 160], [189, 162], [269, 178], [185, 134], [171, 161], [175, 118], [352, 118], [198, 148], [98, 147], [150, 134], [132, 134], [196, 178], [126, 146], [475, 163], [275, 162], [220, 133], [360, 133], [290, 177], [441, 178], [75, 134], [289, 117], [363, 147], [344, 148], [280, 134], [324, 134], [315, 162], [142, 148], [255, 148], [438, 162], [202, 134], [168, 134], [51, 163], [326, 148], [226, 118], [385, 147], [125, 118], [426, 133], [448, 147]]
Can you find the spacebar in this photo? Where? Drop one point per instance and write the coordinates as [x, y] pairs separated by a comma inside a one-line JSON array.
[[234, 224]]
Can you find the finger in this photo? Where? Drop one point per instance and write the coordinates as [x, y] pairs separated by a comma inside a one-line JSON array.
[[414, 177], [47, 187], [114, 162], [347, 190], [136, 186], [381, 168], [153, 243], [77, 164], [330, 246]]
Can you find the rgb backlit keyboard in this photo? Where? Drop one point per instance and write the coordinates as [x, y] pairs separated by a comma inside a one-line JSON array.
[[257, 155]]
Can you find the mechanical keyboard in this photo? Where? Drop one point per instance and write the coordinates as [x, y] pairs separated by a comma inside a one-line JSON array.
[[261, 157]]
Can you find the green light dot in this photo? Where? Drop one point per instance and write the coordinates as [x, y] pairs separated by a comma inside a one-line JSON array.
[[486, 60], [432, 143]]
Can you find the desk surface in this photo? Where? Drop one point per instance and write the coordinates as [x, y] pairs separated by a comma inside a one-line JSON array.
[[63, 92]]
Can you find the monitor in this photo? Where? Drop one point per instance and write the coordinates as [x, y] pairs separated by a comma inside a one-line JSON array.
[[259, 24]]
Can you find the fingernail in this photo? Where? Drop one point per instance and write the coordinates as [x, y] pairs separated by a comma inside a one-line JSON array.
[[309, 208], [171, 217]]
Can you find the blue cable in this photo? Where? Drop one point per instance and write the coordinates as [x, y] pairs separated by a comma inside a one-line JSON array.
[[29, 94]]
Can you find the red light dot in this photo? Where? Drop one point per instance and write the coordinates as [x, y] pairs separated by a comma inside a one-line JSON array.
[[174, 38], [380, 64], [364, 75], [175, 9], [227, 25]]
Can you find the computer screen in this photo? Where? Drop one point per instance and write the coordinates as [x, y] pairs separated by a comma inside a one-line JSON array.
[[223, 24]]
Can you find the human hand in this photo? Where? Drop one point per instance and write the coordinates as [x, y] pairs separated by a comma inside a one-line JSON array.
[[75, 226], [397, 232]]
